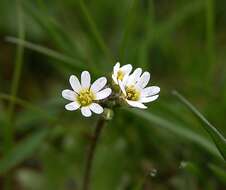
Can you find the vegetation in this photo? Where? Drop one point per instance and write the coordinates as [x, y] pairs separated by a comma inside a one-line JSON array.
[[177, 143]]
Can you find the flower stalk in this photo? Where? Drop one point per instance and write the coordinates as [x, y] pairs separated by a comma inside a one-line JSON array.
[[91, 152], [101, 98]]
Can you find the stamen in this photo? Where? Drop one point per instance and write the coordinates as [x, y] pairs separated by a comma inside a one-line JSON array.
[[120, 75], [132, 93], [85, 97]]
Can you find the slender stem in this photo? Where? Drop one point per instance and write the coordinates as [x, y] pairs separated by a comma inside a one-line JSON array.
[[210, 35], [90, 155], [8, 136]]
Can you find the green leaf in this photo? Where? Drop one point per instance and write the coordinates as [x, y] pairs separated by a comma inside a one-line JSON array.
[[192, 168], [219, 172], [179, 130], [39, 14], [22, 151], [127, 29], [29, 106], [72, 62], [94, 30], [178, 18], [216, 136]]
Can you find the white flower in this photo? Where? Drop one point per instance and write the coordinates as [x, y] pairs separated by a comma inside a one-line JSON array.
[[119, 73], [135, 91], [84, 95]]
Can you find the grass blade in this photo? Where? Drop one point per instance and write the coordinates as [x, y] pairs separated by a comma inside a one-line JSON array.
[[94, 31], [178, 130], [40, 15], [8, 130], [22, 151], [76, 64], [219, 172], [27, 105], [127, 30], [216, 136], [162, 29], [210, 34]]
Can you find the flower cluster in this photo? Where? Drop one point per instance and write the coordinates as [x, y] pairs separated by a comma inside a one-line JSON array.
[[132, 86]]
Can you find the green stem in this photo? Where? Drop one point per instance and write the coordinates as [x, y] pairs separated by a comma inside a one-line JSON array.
[[210, 39], [8, 129], [16, 78], [91, 152]]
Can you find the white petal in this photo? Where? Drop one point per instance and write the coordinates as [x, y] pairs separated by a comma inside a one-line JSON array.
[[149, 99], [99, 84], [115, 79], [125, 79], [135, 76], [85, 79], [122, 87], [69, 95], [136, 104], [137, 73], [96, 108], [72, 106], [75, 84], [86, 111], [116, 68], [150, 91], [127, 68], [103, 94], [144, 79]]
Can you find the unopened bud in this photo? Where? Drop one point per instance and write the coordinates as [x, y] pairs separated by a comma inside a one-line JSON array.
[[108, 114]]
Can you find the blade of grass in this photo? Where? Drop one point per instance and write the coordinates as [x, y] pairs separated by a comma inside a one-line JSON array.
[[219, 172], [127, 30], [46, 51], [68, 61], [22, 151], [50, 25], [8, 130], [150, 27], [27, 105], [210, 35], [94, 31], [164, 28], [216, 136], [15, 80], [156, 32], [179, 130]]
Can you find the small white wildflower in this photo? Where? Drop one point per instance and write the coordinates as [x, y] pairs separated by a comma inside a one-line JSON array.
[[135, 91], [84, 95], [119, 73]]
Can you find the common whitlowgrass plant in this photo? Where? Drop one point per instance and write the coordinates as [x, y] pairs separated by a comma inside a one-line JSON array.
[[125, 87]]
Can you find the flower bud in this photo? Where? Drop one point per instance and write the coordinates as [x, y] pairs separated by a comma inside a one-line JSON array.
[[108, 114]]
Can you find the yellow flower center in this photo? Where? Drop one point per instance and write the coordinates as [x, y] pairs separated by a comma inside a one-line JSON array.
[[120, 75], [85, 97], [132, 93]]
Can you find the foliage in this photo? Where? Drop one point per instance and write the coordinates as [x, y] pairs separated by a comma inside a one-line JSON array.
[[180, 42]]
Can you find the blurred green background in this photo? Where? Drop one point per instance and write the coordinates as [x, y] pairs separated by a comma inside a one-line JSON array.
[[182, 44]]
